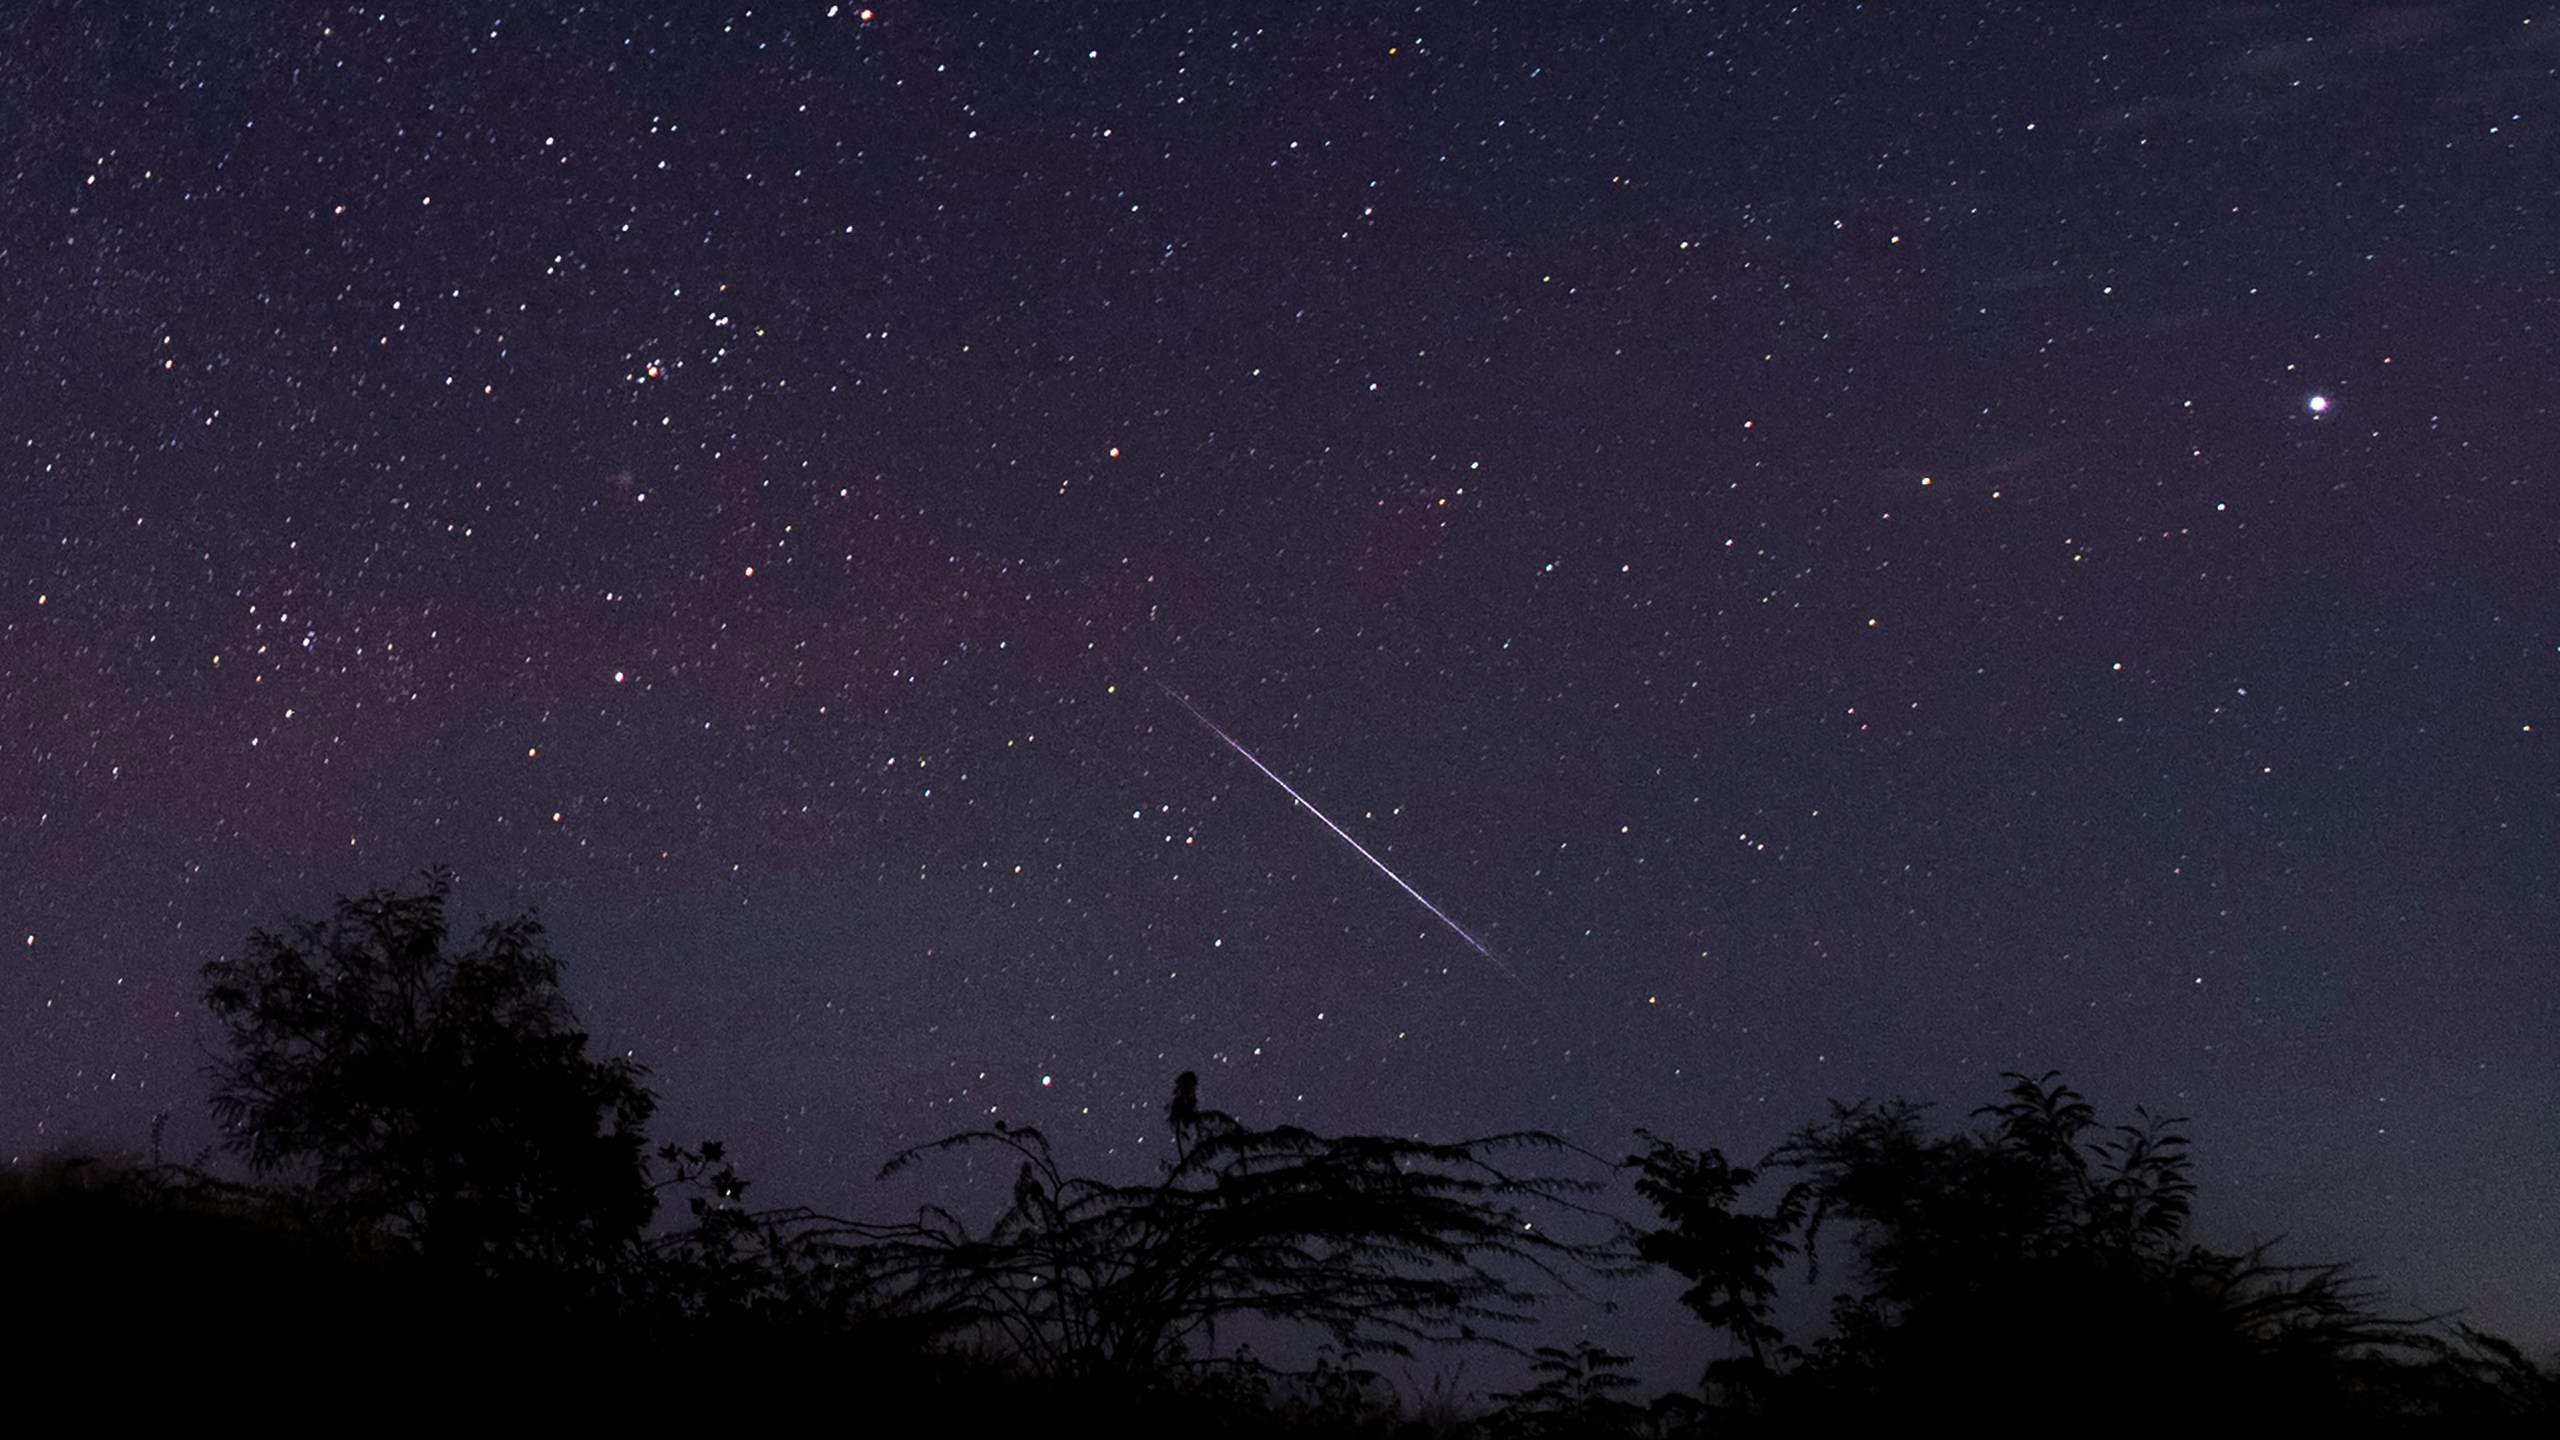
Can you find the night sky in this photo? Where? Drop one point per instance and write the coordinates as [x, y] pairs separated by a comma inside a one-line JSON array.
[[1855, 548]]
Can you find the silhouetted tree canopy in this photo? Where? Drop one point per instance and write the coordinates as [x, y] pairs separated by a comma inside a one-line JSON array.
[[2025, 1267], [433, 1098], [425, 1118], [1579, 1392], [1730, 1257]]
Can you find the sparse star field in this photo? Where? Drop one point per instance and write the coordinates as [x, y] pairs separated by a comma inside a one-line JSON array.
[[1854, 550]]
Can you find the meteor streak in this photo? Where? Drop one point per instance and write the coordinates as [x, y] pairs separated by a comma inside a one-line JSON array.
[[1442, 915]]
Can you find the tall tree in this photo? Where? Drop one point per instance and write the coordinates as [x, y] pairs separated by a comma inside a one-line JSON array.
[[433, 1098]]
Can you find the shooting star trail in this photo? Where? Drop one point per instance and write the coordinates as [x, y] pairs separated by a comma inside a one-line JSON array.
[[1274, 776]]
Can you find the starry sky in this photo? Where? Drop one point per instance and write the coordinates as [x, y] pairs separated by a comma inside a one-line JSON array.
[[1853, 547]]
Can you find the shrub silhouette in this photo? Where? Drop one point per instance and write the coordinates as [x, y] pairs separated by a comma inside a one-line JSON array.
[[432, 1100], [1578, 1393], [428, 1121], [2025, 1267], [1378, 1243]]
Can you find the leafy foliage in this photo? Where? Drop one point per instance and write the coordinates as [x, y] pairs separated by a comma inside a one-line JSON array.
[[433, 1101], [1941, 1214], [1730, 1257], [763, 1277], [1580, 1391], [436, 1100], [1375, 1241], [2028, 1264]]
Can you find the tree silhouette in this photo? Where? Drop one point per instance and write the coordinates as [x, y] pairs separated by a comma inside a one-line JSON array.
[[1375, 1241], [1730, 1257], [1579, 1392], [433, 1100], [2023, 1267]]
